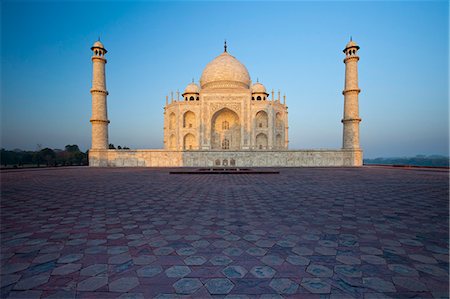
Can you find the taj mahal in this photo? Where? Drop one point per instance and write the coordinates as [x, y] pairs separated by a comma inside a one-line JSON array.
[[225, 121]]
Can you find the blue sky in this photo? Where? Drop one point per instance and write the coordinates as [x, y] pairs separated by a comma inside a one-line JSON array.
[[158, 47]]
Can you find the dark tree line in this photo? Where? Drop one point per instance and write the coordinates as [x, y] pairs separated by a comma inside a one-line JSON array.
[[71, 155]]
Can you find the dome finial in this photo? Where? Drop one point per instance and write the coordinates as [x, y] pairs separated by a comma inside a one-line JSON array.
[[225, 46], [192, 79], [257, 80], [351, 38]]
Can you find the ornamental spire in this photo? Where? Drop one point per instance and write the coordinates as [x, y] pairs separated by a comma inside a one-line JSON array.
[[225, 46]]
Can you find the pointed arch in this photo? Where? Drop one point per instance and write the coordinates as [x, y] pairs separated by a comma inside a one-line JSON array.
[[172, 142], [172, 121], [189, 120], [262, 120], [189, 142], [261, 141], [225, 130], [279, 121], [279, 141]]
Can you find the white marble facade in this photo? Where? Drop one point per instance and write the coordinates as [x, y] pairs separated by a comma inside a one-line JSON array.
[[226, 112], [225, 121]]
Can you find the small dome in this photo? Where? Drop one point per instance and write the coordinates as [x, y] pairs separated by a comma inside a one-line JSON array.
[[192, 88], [225, 71], [258, 88], [351, 44], [98, 44]]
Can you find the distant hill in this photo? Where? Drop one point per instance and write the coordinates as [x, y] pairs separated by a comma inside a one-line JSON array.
[[419, 160]]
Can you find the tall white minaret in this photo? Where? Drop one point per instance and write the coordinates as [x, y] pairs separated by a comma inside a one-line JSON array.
[[99, 93], [351, 118]]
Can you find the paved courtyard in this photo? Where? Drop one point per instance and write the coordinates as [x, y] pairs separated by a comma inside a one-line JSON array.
[[368, 232]]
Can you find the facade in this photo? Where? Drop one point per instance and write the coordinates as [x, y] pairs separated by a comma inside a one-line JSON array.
[[225, 112], [225, 121]]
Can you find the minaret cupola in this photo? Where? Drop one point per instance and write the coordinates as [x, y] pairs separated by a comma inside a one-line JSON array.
[[259, 92], [191, 92]]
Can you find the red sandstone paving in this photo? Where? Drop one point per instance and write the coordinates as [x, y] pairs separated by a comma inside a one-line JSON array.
[[376, 216]]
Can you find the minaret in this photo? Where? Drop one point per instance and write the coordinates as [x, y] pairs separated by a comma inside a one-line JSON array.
[[99, 118], [351, 118]]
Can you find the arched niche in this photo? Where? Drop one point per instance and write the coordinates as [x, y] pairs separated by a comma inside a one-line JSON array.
[[225, 130]]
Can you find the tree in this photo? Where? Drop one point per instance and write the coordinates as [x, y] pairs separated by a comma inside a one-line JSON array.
[[48, 155], [72, 148], [111, 146]]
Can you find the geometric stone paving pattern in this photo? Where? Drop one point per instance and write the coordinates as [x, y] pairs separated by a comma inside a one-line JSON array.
[[368, 232]]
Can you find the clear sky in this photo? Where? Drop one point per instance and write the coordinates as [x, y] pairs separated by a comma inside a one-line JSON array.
[[158, 47]]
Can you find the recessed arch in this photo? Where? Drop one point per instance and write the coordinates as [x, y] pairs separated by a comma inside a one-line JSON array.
[[261, 141], [279, 121], [189, 120], [189, 142], [279, 141], [172, 121], [172, 142], [225, 125], [262, 120]]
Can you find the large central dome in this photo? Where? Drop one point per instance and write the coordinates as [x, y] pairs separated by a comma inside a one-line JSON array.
[[225, 71]]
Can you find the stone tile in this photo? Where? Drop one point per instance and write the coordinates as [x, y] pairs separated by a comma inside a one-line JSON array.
[[219, 286], [302, 250], [373, 259], [255, 251], [233, 251], [265, 243], [431, 269], [234, 272], [378, 284], [286, 243], [187, 286], [325, 250], [220, 260], [163, 251], [316, 285], [119, 259], [347, 270], [62, 294], [149, 271], [70, 258], [195, 260], [410, 284], [272, 260], [403, 270], [92, 283], [66, 269], [178, 271], [221, 244], [186, 251], [298, 260], [144, 260], [13, 268], [25, 295], [131, 296], [371, 250], [113, 250], [348, 260], [124, 284], [43, 258], [284, 286], [262, 218], [423, 258], [31, 282], [262, 272], [6, 280], [319, 270]]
